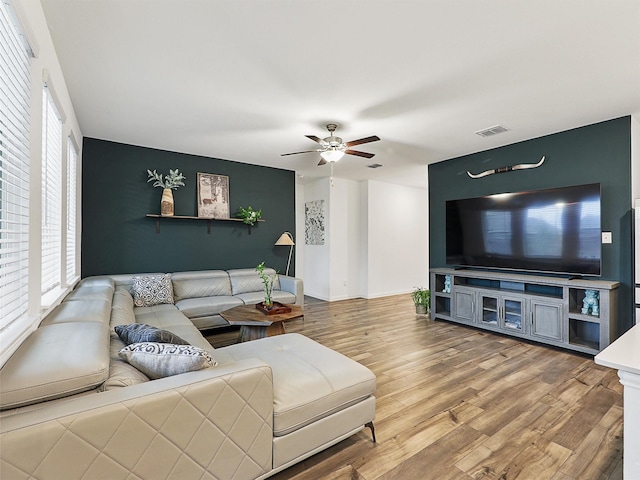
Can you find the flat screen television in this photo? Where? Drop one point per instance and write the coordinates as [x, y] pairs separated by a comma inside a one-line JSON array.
[[553, 231]]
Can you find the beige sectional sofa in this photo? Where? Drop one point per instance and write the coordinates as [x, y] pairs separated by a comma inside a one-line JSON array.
[[72, 408]]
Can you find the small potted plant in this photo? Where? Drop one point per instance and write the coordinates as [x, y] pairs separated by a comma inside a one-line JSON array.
[[422, 300], [268, 284], [169, 182], [269, 306], [249, 215]]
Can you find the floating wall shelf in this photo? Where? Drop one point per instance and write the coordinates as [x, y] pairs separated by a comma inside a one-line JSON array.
[[186, 217]]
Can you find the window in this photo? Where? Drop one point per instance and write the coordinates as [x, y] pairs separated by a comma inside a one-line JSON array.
[[15, 85], [51, 193], [72, 161]]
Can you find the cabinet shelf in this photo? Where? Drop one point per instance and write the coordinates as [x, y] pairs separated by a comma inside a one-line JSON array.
[[584, 334], [187, 217]]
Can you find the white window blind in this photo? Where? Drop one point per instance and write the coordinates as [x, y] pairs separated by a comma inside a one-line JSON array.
[[51, 193], [14, 169], [72, 160]]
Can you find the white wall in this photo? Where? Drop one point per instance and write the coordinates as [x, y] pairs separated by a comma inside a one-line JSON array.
[[298, 235], [345, 240], [376, 241], [363, 229], [398, 239], [317, 257]]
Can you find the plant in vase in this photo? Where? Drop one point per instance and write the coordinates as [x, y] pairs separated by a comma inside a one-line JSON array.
[[169, 182], [268, 281], [249, 215], [421, 299]]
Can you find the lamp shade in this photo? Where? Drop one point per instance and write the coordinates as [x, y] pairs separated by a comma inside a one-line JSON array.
[[332, 155], [285, 239]]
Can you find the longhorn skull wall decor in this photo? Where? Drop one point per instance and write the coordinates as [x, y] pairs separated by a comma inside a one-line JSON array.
[[522, 166]]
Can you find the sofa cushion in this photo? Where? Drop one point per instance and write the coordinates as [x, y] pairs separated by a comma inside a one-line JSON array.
[[121, 373], [91, 292], [157, 360], [97, 281], [160, 316], [149, 290], [80, 311], [206, 283], [122, 298], [168, 317], [122, 308], [141, 332], [206, 306], [81, 353], [310, 381], [245, 280], [251, 298]]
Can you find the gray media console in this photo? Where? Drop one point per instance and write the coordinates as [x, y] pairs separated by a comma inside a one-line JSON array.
[[545, 309]]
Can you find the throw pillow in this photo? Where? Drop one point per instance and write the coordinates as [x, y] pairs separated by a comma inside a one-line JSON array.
[[157, 360], [149, 290], [141, 332]]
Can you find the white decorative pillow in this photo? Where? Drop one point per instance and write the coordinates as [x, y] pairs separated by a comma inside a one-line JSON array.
[[157, 360], [149, 290]]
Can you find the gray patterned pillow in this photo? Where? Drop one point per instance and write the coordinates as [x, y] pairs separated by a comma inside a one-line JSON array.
[[141, 332], [149, 290], [157, 360]]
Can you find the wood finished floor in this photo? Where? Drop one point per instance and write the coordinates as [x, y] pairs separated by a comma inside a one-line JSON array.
[[459, 403]]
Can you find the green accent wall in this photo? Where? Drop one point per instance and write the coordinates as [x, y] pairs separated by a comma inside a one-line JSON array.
[[599, 153], [117, 237]]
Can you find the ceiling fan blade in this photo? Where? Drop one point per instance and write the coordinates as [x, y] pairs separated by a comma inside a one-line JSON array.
[[296, 153], [359, 154], [373, 138], [317, 139], [322, 162]]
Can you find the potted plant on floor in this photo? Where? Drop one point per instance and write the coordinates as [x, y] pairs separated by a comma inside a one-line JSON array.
[[422, 300]]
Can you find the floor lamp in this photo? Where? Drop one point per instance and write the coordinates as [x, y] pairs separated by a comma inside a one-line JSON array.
[[286, 239]]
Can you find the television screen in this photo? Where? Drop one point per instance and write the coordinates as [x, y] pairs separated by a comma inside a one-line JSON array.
[[555, 230]]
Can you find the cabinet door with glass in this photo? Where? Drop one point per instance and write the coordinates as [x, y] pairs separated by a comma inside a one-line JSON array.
[[501, 311], [512, 314], [489, 309]]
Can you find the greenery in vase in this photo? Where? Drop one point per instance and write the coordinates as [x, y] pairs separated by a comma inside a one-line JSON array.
[[268, 281], [421, 296], [249, 215], [172, 181]]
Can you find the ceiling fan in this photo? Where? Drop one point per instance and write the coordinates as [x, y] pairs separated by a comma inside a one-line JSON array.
[[333, 148]]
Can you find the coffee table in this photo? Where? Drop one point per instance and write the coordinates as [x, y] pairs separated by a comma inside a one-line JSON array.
[[254, 324]]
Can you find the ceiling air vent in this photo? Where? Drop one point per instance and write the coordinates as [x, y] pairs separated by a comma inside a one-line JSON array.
[[374, 165], [491, 131]]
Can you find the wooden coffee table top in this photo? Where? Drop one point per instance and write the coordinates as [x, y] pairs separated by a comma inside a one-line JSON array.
[[250, 315]]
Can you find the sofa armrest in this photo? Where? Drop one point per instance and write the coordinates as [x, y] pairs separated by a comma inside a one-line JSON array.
[[217, 420], [293, 285]]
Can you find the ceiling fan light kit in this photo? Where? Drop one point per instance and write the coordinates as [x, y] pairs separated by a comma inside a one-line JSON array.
[[334, 148], [332, 155]]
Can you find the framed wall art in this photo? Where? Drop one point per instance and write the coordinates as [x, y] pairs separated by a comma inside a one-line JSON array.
[[314, 222], [213, 195]]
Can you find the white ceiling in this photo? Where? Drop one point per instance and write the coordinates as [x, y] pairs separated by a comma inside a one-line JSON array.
[[245, 80]]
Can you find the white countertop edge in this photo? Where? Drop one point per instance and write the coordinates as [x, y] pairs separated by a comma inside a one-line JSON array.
[[624, 353]]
